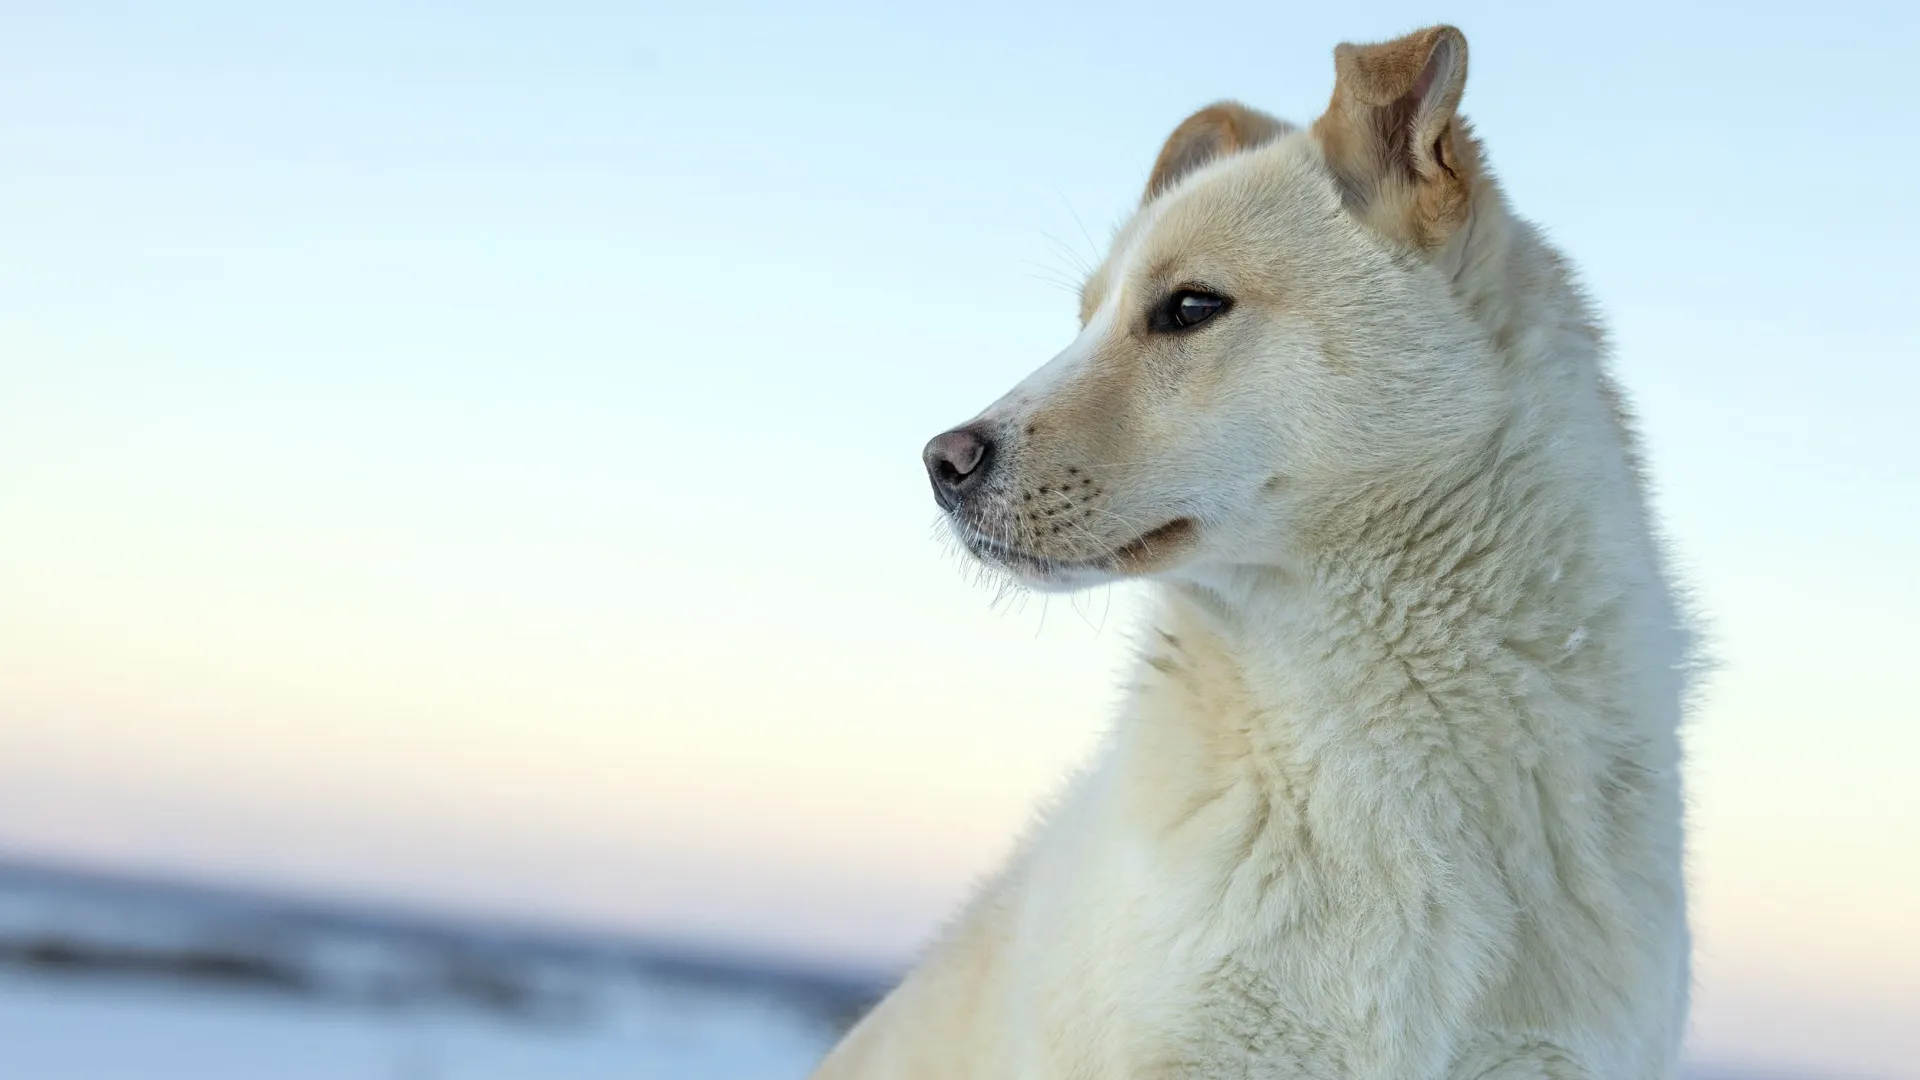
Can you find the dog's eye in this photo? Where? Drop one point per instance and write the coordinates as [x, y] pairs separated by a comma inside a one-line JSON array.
[[1187, 309]]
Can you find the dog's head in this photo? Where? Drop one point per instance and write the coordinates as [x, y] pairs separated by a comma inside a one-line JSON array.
[[1274, 330]]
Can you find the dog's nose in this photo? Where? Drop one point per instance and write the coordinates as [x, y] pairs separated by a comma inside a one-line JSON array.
[[957, 463]]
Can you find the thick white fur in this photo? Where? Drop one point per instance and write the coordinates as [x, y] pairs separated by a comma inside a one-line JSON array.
[[1395, 791]]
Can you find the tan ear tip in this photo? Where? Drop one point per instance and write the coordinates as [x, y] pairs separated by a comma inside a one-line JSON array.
[[1346, 61], [1450, 36], [1444, 49]]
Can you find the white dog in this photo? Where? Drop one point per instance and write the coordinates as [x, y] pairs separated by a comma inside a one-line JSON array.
[[1395, 793]]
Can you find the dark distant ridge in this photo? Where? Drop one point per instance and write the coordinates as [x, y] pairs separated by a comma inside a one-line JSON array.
[[838, 993]]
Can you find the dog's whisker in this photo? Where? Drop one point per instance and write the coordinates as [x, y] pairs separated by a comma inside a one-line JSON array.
[[1093, 249]]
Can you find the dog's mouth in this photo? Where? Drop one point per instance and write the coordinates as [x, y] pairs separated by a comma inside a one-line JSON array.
[[1150, 551]]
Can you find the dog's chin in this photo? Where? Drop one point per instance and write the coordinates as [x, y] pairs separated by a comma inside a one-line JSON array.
[[1037, 572], [1152, 553], [1056, 578]]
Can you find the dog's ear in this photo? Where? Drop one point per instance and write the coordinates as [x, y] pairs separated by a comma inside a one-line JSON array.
[[1225, 127], [1404, 159]]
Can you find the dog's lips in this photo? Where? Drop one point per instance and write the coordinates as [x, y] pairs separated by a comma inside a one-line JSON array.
[[1140, 555]]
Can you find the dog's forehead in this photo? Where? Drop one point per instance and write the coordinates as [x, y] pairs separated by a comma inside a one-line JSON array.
[[1223, 208]]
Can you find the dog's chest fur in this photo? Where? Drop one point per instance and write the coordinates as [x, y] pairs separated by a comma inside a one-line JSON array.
[[1296, 867]]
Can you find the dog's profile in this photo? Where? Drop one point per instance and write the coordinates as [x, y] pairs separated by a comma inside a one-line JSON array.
[[1395, 794]]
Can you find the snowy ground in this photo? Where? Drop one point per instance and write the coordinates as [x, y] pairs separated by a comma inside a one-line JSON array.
[[104, 979], [77, 1030]]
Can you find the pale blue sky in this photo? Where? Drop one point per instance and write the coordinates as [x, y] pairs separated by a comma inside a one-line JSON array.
[[469, 455]]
